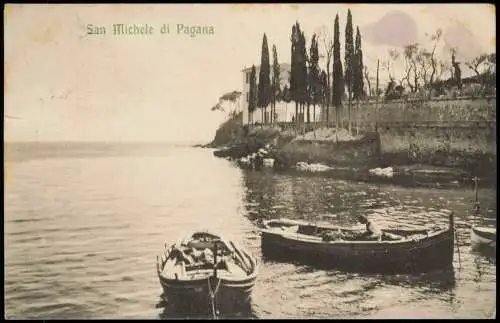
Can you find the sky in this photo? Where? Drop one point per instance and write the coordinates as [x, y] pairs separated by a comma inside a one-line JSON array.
[[62, 84]]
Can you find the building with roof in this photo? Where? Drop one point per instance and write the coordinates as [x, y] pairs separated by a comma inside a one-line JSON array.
[[284, 111]]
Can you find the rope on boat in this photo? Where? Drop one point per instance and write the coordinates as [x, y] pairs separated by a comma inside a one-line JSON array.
[[212, 296]]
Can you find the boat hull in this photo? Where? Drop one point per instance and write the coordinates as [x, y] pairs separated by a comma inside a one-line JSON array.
[[434, 252], [202, 287], [193, 294], [483, 237]]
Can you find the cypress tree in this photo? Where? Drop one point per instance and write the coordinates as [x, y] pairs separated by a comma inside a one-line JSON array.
[[349, 62], [337, 73], [252, 95], [264, 87], [285, 94], [358, 84], [302, 71], [357, 81], [314, 76], [324, 91], [293, 73], [276, 90]]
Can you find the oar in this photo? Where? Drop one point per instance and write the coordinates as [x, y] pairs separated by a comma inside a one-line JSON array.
[[241, 259]]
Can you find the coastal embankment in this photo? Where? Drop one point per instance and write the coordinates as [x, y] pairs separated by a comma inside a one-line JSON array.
[[454, 135], [457, 133]]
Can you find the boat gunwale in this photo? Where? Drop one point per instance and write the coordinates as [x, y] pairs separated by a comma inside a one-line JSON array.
[[298, 237], [250, 278], [481, 229], [482, 237], [335, 227]]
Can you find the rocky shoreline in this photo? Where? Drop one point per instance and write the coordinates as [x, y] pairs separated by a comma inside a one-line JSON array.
[[357, 158]]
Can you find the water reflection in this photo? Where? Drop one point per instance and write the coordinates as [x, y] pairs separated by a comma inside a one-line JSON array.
[[435, 281], [486, 252], [296, 290], [176, 310]]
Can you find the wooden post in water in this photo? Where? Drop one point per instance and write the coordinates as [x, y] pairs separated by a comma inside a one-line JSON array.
[[455, 233], [215, 259], [213, 293], [476, 201]]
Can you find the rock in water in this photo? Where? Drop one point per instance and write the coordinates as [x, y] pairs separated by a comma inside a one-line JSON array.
[[268, 162], [312, 167]]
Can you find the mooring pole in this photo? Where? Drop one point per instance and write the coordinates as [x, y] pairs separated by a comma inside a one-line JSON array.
[[476, 202], [213, 293], [455, 233], [215, 259]]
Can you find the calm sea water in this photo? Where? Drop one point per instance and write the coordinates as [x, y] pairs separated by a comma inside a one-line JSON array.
[[84, 223]]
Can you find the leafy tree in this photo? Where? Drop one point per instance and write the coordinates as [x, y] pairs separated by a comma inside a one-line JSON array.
[[233, 97], [457, 72], [393, 91], [484, 66], [230, 96], [264, 86], [217, 107]]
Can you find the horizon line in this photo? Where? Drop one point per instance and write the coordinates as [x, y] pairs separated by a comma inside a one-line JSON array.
[[104, 141]]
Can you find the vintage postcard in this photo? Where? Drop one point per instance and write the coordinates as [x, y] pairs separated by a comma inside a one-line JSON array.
[[298, 161]]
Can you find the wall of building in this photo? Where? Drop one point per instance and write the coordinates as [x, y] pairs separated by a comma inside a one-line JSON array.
[[284, 113], [284, 76], [457, 109], [453, 133]]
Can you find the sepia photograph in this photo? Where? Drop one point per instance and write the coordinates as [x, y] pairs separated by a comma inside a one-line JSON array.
[[250, 161]]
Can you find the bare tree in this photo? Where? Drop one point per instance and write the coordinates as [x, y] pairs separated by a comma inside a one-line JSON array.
[[326, 40], [477, 62], [435, 38], [482, 66], [367, 78], [393, 57], [410, 54], [421, 66], [428, 67]]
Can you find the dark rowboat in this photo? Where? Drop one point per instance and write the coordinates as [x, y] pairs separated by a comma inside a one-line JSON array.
[[188, 275], [411, 251]]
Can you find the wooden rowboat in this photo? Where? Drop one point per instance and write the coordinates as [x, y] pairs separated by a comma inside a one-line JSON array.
[[484, 236], [481, 236], [412, 250], [188, 273]]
